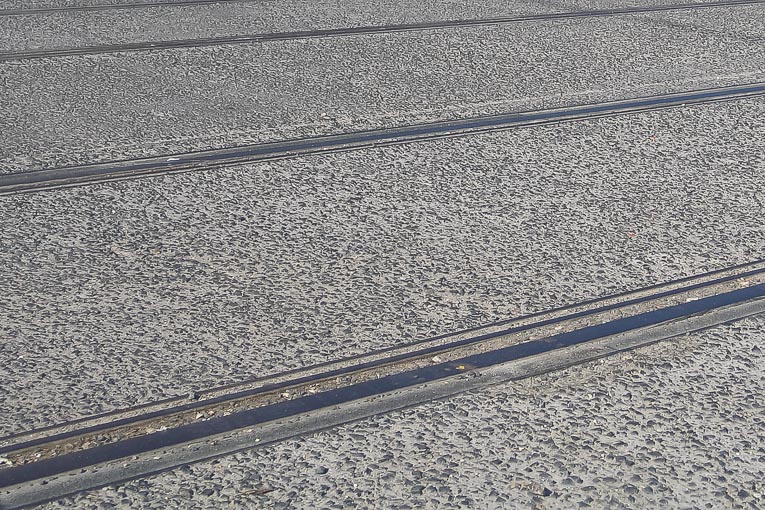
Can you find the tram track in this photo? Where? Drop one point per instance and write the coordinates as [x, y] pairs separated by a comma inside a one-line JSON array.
[[351, 31], [195, 3], [40, 180], [135, 442], [124, 6], [431, 346], [94, 451]]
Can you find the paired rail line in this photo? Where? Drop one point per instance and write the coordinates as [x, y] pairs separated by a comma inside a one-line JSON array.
[[85, 456], [349, 31], [219, 158]]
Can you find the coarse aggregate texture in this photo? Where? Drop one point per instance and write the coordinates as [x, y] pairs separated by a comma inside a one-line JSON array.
[[307, 4], [618, 4], [120, 293], [72, 29], [78, 110], [680, 424], [721, 25], [47, 4], [75, 29]]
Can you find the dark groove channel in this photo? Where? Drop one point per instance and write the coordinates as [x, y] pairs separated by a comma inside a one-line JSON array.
[[350, 31], [379, 362], [212, 159], [201, 430], [110, 7]]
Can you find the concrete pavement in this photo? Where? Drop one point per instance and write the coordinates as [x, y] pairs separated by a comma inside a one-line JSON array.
[[123, 293]]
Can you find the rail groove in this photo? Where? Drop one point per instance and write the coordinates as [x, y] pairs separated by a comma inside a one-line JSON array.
[[350, 31], [380, 358], [371, 359], [485, 356], [192, 3], [218, 158], [124, 6]]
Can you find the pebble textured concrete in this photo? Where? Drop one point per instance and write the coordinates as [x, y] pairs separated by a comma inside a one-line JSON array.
[[615, 4], [105, 107], [44, 4], [677, 425], [723, 27], [125, 293], [94, 28], [72, 29], [350, 5], [150, 288]]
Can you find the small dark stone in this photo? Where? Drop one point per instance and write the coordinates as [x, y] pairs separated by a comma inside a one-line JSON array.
[[546, 492], [322, 470], [743, 494], [208, 492], [417, 489]]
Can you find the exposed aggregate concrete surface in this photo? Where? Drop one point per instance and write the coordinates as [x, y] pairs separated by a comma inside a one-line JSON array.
[[350, 5], [120, 293], [680, 424], [46, 4], [124, 293], [616, 4], [72, 29], [721, 26], [105, 107]]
